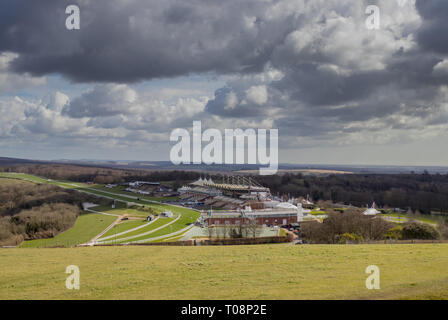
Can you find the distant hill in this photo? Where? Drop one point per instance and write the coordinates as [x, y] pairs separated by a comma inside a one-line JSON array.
[[245, 168], [11, 161], [248, 168]]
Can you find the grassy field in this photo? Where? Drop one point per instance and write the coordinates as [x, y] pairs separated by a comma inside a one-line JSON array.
[[86, 227], [317, 212], [227, 272], [418, 217], [121, 190], [124, 226], [160, 222], [120, 210]]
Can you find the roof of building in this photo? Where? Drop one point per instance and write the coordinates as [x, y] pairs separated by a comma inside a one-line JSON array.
[[371, 212], [233, 183], [275, 212]]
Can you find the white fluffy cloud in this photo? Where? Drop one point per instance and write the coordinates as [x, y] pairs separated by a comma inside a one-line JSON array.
[[100, 120], [257, 94], [103, 100]]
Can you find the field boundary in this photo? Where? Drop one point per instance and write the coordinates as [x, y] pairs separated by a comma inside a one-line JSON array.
[[195, 242]]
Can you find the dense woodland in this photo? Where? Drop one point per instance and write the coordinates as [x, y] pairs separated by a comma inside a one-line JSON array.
[[33, 211], [419, 192]]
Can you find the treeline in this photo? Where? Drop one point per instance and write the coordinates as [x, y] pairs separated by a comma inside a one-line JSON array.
[[418, 192], [17, 197], [33, 211], [75, 173], [44, 221]]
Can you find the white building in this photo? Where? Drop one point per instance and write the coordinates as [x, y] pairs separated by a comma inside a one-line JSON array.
[[371, 211]]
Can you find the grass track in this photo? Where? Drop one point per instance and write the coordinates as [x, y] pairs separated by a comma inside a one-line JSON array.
[[182, 223], [227, 272], [124, 226], [156, 224]]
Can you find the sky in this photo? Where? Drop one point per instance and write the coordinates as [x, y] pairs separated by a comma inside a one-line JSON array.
[[338, 91]]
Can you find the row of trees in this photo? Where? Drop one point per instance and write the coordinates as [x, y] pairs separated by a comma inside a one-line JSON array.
[[16, 197], [249, 229]]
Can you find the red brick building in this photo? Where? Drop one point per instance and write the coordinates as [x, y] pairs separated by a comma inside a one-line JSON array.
[[263, 217]]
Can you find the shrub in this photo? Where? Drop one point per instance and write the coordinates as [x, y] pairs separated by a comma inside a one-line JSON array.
[[442, 227], [419, 231], [350, 238], [394, 233], [351, 221]]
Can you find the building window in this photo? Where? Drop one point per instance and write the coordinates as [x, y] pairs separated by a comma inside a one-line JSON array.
[[227, 222]]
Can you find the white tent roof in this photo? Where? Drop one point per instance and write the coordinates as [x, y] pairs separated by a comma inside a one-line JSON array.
[[286, 205], [370, 212]]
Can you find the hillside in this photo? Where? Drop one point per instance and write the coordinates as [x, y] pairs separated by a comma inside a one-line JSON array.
[[236, 272]]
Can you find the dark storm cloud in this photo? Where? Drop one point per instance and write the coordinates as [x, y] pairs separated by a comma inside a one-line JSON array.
[[125, 41], [343, 81], [433, 34], [325, 87]]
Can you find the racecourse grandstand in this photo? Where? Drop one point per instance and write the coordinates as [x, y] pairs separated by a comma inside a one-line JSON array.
[[232, 192]]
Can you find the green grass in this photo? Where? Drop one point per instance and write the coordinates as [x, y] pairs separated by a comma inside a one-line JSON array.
[[114, 189], [160, 222], [418, 217], [317, 212], [123, 210], [23, 176], [180, 224], [121, 190], [86, 227], [124, 226], [227, 272]]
